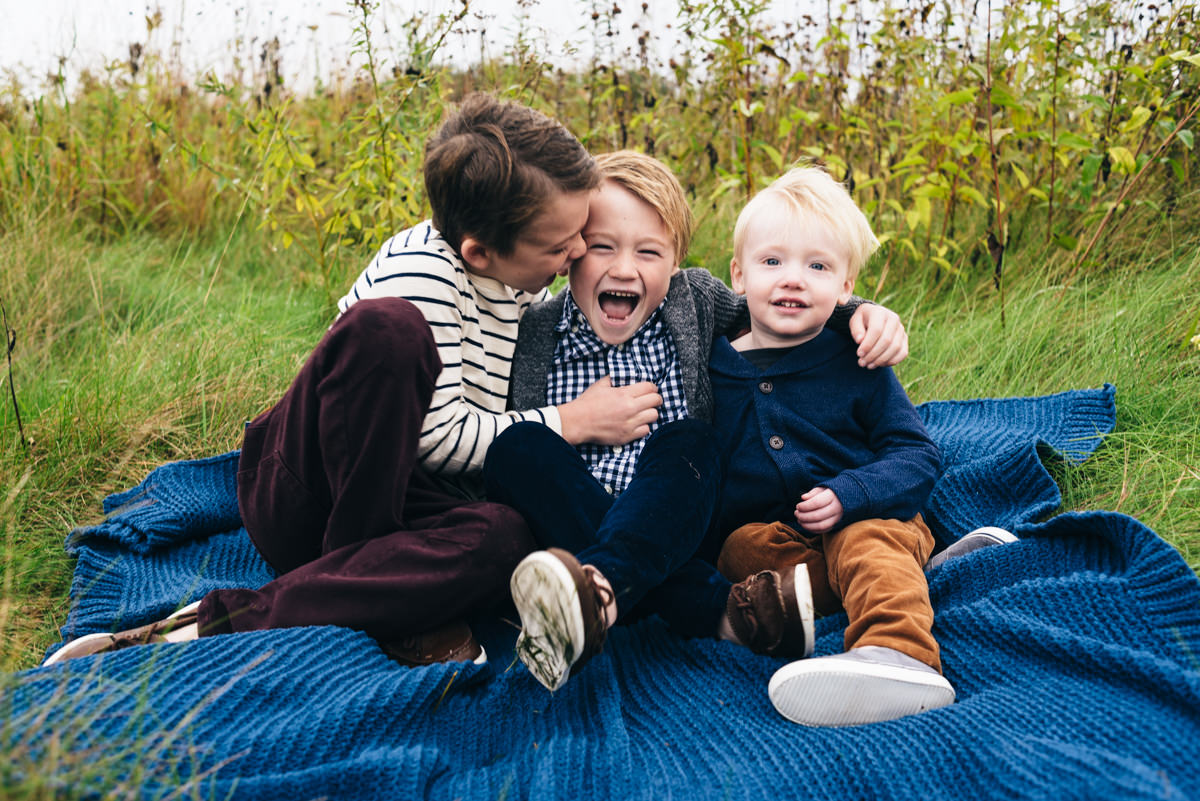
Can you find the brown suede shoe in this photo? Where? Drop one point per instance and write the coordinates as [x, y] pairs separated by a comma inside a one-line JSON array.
[[104, 642], [772, 614], [453, 642], [562, 615]]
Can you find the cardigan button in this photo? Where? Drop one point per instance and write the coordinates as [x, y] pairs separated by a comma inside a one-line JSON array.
[[766, 387], [776, 442]]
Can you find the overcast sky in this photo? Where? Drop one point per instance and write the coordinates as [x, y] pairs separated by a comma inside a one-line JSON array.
[[316, 35]]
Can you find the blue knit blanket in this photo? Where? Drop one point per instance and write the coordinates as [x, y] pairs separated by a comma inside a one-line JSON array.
[[1075, 653]]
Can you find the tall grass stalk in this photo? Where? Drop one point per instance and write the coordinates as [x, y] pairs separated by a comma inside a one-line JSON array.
[[1128, 327], [152, 757], [955, 157]]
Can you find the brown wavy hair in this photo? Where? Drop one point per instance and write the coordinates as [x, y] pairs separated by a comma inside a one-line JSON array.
[[494, 166]]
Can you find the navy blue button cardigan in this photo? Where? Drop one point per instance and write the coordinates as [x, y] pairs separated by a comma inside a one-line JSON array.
[[825, 422]]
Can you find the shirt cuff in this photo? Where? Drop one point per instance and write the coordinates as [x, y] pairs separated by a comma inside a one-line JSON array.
[[851, 496], [553, 419]]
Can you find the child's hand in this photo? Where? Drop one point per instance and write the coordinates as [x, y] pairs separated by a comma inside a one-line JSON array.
[[819, 510], [608, 415], [882, 340]]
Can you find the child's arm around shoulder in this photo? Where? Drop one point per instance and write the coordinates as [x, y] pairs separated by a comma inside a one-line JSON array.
[[877, 330], [714, 299]]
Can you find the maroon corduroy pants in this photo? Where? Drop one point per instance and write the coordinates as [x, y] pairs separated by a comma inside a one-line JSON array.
[[331, 495]]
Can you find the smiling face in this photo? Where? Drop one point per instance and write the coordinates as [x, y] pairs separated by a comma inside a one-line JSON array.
[[626, 271], [543, 250], [793, 271]]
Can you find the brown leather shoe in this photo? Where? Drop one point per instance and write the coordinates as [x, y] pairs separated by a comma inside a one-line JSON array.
[[453, 642], [562, 615], [104, 642], [773, 614]]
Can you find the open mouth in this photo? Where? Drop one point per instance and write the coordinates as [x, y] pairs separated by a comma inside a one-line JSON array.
[[618, 306], [790, 304]]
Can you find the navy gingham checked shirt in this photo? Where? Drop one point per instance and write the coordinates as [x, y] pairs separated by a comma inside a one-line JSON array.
[[581, 359]]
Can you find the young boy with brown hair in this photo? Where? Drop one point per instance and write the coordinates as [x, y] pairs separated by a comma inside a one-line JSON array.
[[359, 486], [622, 521], [831, 457]]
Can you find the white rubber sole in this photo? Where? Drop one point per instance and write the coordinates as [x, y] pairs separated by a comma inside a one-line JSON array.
[[76, 646], [552, 631], [804, 600], [839, 691]]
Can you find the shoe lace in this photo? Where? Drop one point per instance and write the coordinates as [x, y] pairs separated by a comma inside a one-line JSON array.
[[129, 639], [601, 597], [746, 614], [410, 643]]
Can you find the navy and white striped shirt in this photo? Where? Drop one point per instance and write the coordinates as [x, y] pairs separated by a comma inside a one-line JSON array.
[[581, 359], [474, 322]]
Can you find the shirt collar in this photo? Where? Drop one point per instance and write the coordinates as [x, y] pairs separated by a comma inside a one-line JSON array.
[[814, 353]]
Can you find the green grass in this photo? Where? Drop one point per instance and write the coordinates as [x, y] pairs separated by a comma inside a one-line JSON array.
[[148, 349], [1128, 326], [127, 355]]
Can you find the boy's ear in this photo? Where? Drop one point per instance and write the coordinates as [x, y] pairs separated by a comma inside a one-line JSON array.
[[735, 276], [476, 254], [847, 291]]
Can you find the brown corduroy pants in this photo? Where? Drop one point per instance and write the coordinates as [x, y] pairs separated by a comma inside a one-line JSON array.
[[874, 569]]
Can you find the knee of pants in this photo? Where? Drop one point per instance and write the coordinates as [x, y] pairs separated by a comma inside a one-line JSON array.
[[879, 542], [696, 435], [392, 330], [695, 439], [751, 548], [515, 454], [505, 539]]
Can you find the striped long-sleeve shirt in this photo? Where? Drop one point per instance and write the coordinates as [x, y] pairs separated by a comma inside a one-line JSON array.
[[474, 322]]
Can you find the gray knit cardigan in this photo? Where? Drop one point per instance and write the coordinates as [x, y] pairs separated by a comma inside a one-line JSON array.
[[699, 309]]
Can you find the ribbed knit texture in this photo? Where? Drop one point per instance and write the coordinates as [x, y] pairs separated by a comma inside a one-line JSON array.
[[992, 475], [1075, 653], [178, 501]]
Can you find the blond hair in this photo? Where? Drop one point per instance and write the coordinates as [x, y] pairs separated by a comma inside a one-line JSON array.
[[811, 190], [651, 181]]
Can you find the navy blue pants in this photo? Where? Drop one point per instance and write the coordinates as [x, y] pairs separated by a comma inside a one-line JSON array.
[[652, 542], [332, 496]]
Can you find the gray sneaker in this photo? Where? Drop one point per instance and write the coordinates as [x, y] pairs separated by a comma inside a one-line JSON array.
[[979, 538], [104, 642], [864, 685], [562, 615]]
